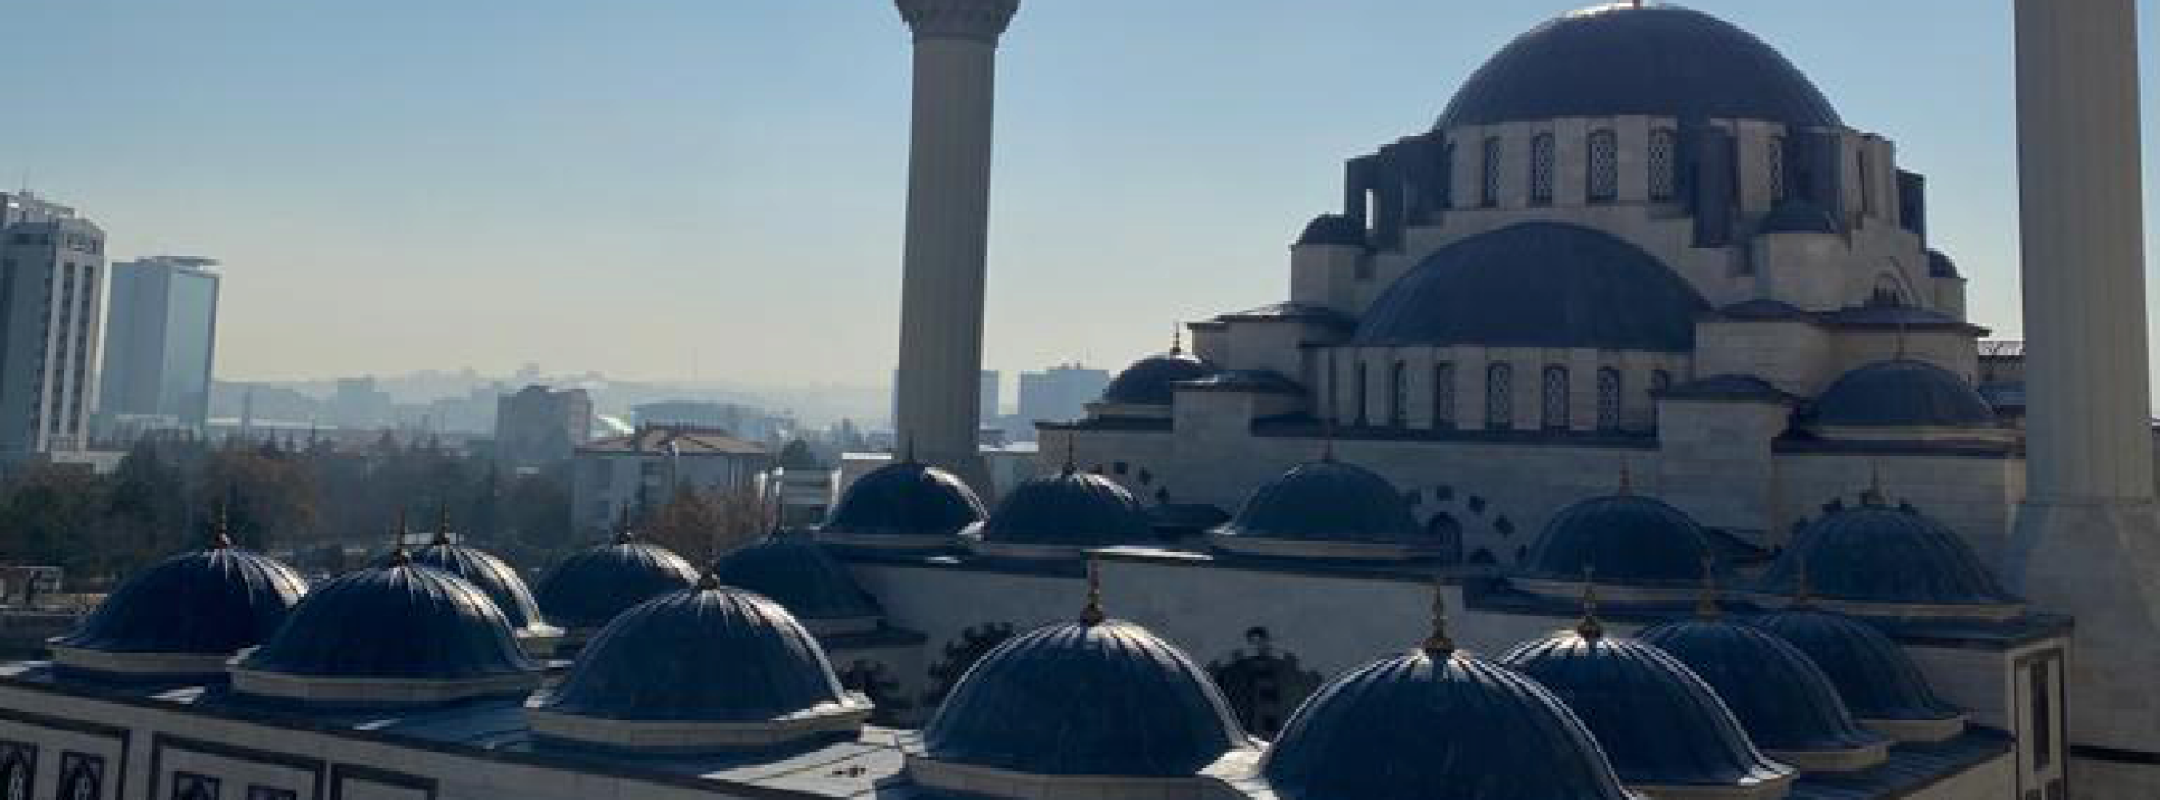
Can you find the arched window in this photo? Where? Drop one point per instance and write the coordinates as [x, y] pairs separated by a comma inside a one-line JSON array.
[[1604, 166], [1889, 292], [1489, 191], [82, 777], [1555, 398], [1543, 160], [1608, 399], [18, 769], [1361, 394], [1774, 168], [1398, 395], [190, 786], [1499, 397], [1443, 404], [1664, 175]]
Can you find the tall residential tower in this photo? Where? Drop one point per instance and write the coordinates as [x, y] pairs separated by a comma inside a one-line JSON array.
[[52, 265]]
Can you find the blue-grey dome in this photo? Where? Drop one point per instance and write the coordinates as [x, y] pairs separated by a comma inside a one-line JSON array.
[[1658, 722], [1327, 500], [1660, 61], [1067, 508], [1894, 555], [1537, 284], [501, 583], [1421, 726], [905, 498], [215, 601], [1333, 229], [1901, 393], [709, 653], [407, 622], [1799, 216], [1781, 698], [591, 587], [1152, 381], [1873, 675], [1628, 538], [1940, 265], [1110, 699], [801, 576]]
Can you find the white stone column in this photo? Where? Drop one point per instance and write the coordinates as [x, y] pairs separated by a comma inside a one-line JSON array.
[[936, 402], [2084, 543]]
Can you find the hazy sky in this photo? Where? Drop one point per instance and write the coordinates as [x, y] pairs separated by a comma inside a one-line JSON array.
[[679, 188]]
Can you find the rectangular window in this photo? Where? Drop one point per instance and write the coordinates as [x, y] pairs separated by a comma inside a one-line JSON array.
[[2043, 714], [190, 786], [268, 793], [1490, 191]]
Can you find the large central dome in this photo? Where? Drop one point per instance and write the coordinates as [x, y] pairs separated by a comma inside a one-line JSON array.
[[1661, 61]]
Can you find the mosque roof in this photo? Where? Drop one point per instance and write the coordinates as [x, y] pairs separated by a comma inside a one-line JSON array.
[[1626, 538], [1152, 381], [591, 587], [1777, 693], [1901, 393], [213, 601], [800, 575], [1292, 310], [502, 583], [1537, 284], [906, 498], [1067, 507], [1256, 381], [1326, 500], [1333, 229], [1657, 60], [1876, 679], [1877, 553], [405, 621]]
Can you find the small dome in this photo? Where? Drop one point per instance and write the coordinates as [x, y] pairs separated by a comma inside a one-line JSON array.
[[501, 583], [1901, 393], [1422, 725], [1537, 284], [1327, 500], [905, 498], [1333, 229], [1152, 381], [1799, 216], [1940, 265], [1874, 676], [802, 577], [590, 588], [212, 602], [1875, 553], [1628, 538], [1618, 60], [707, 654], [1066, 509], [1785, 702], [397, 623], [1109, 699], [1659, 723]]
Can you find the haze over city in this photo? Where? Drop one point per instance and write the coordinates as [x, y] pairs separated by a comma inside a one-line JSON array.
[[677, 189]]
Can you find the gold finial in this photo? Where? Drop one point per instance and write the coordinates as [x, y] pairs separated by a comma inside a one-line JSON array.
[[708, 580], [442, 521], [221, 529], [1438, 644], [1092, 614], [623, 534], [1590, 628], [1873, 497], [1706, 606]]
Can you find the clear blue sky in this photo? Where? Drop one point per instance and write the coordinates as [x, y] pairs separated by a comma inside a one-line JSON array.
[[654, 188]]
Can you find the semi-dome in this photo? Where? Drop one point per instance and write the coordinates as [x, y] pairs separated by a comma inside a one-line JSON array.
[[1152, 381], [1625, 538], [402, 633], [905, 503], [1658, 722], [806, 580], [184, 616], [1436, 722], [1333, 229], [502, 583], [591, 587], [1901, 393], [1877, 554], [1657, 60], [1879, 683], [1101, 699], [1940, 265], [1325, 507], [704, 668], [1060, 513], [1537, 284], [1788, 707]]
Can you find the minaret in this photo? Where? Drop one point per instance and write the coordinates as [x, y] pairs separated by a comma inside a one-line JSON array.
[[2086, 541], [937, 390]]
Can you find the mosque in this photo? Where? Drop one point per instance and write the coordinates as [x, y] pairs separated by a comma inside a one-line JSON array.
[[1617, 438]]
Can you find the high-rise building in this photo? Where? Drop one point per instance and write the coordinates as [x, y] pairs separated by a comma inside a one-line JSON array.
[[536, 426], [52, 265], [991, 396], [1058, 394], [160, 341]]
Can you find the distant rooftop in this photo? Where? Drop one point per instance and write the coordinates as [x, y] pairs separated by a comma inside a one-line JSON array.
[[689, 440]]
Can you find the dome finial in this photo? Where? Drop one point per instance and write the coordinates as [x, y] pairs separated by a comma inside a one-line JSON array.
[[1177, 339], [442, 521], [708, 579], [399, 556], [1706, 606], [1438, 644], [623, 534], [1590, 628], [221, 528], [1092, 615]]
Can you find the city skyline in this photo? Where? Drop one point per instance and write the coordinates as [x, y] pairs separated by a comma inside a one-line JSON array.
[[382, 177]]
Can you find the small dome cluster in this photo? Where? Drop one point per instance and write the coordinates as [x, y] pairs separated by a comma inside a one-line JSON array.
[[1326, 509], [1900, 394], [590, 588], [501, 583], [1624, 538], [1059, 515], [797, 573], [1153, 381], [903, 505], [1877, 558], [183, 617]]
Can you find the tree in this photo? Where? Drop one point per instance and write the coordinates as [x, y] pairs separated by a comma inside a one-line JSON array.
[[702, 524], [266, 500]]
